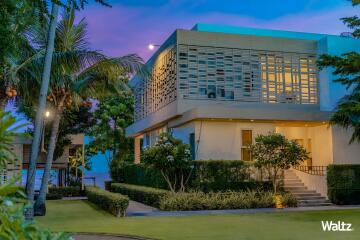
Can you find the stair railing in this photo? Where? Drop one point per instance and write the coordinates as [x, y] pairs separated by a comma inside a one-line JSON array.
[[312, 170]]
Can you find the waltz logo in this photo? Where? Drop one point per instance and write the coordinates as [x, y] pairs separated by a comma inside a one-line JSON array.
[[336, 226]]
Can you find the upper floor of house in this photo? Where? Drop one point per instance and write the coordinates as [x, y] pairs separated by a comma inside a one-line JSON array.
[[214, 66]]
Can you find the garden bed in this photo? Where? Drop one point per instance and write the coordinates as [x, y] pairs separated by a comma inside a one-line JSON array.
[[165, 200]]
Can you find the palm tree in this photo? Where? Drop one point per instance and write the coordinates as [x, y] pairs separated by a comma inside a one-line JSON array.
[[9, 129], [44, 86], [77, 73]]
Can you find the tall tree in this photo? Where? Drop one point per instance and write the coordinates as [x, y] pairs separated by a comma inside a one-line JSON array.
[[113, 115], [347, 67], [16, 17], [45, 79], [76, 73]]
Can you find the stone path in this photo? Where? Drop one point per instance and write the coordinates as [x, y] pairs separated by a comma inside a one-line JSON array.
[[139, 209], [155, 212]]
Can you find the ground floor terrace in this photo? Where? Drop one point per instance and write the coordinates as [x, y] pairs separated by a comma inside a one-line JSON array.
[[229, 139]]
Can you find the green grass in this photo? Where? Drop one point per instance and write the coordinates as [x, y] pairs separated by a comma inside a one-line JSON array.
[[80, 216]]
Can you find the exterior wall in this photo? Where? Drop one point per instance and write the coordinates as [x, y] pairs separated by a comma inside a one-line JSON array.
[[320, 147], [343, 152], [183, 132], [313, 182], [331, 92], [222, 140]]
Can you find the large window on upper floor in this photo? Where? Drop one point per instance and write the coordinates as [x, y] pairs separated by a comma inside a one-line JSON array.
[[246, 75]]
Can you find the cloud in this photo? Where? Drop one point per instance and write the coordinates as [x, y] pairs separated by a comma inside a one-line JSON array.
[[125, 29]]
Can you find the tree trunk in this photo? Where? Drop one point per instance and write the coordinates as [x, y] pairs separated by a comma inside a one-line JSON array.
[[30, 181], [39, 207]]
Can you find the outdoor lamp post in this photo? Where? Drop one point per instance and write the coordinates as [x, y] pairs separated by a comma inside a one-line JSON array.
[[45, 118]]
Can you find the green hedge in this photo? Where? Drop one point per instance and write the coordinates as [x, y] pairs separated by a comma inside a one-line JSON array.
[[146, 195], [137, 174], [107, 185], [343, 182], [206, 176], [114, 203], [223, 200], [60, 192]]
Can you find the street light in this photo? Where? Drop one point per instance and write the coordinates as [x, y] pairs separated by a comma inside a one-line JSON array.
[[47, 115], [152, 46]]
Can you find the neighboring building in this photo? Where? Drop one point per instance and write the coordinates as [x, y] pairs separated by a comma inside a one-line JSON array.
[[22, 148], [218, 87]]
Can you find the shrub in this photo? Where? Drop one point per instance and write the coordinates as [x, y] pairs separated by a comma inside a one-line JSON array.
[[146, 195], [206, 176], [273, 152], [289, 200], [172, 158], [216, 200], [114, 203], [343, 183], [138, 174], [107, 185], [74, 191]]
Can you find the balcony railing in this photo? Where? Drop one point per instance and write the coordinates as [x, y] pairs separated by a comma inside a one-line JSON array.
[[313, 170]]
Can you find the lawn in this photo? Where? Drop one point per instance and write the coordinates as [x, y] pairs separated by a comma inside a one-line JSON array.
[[80, 216]]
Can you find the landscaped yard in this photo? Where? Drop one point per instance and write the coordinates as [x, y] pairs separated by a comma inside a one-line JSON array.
[[80, 216]]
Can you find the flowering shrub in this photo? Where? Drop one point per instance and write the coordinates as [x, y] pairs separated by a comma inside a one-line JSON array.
[[172, 158]]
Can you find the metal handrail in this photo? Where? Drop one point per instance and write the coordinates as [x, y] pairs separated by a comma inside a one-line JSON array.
[[312, 170]]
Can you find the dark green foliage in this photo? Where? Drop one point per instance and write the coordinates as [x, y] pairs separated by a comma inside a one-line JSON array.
[[172, 158], [289, 200], [137, 174], [343, 182], [113, 114], [114, 203], [107, 185], [222, 175], [13, 224], [274, 153], [206, 176], [224, 200], [66, 191], [347, 68], [146, 195]]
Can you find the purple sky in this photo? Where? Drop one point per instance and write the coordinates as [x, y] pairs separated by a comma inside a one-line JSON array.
[[130, 25]]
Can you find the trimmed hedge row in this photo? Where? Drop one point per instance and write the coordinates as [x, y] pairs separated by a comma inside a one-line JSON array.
[[343, 182], [114, 203], [225, 200], [146, 195], [206, 176], [60, 192], [137, 174]]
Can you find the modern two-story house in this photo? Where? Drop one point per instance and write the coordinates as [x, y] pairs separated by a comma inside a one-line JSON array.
[[218, 87]]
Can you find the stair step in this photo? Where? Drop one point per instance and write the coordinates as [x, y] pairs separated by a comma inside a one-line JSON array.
[[309, 195], [305, 198], [290, 189], [294, 185], [314, 204]]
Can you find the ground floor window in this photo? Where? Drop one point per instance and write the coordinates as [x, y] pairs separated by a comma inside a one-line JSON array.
[[246, 141]]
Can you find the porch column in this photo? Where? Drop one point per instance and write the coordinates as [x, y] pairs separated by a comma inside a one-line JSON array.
[[137, 149]]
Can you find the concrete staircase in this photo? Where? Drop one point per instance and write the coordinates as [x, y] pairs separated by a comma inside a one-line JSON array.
[[306, 198]]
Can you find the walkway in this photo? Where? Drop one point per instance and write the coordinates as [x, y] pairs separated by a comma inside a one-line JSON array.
[[134, 210]]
